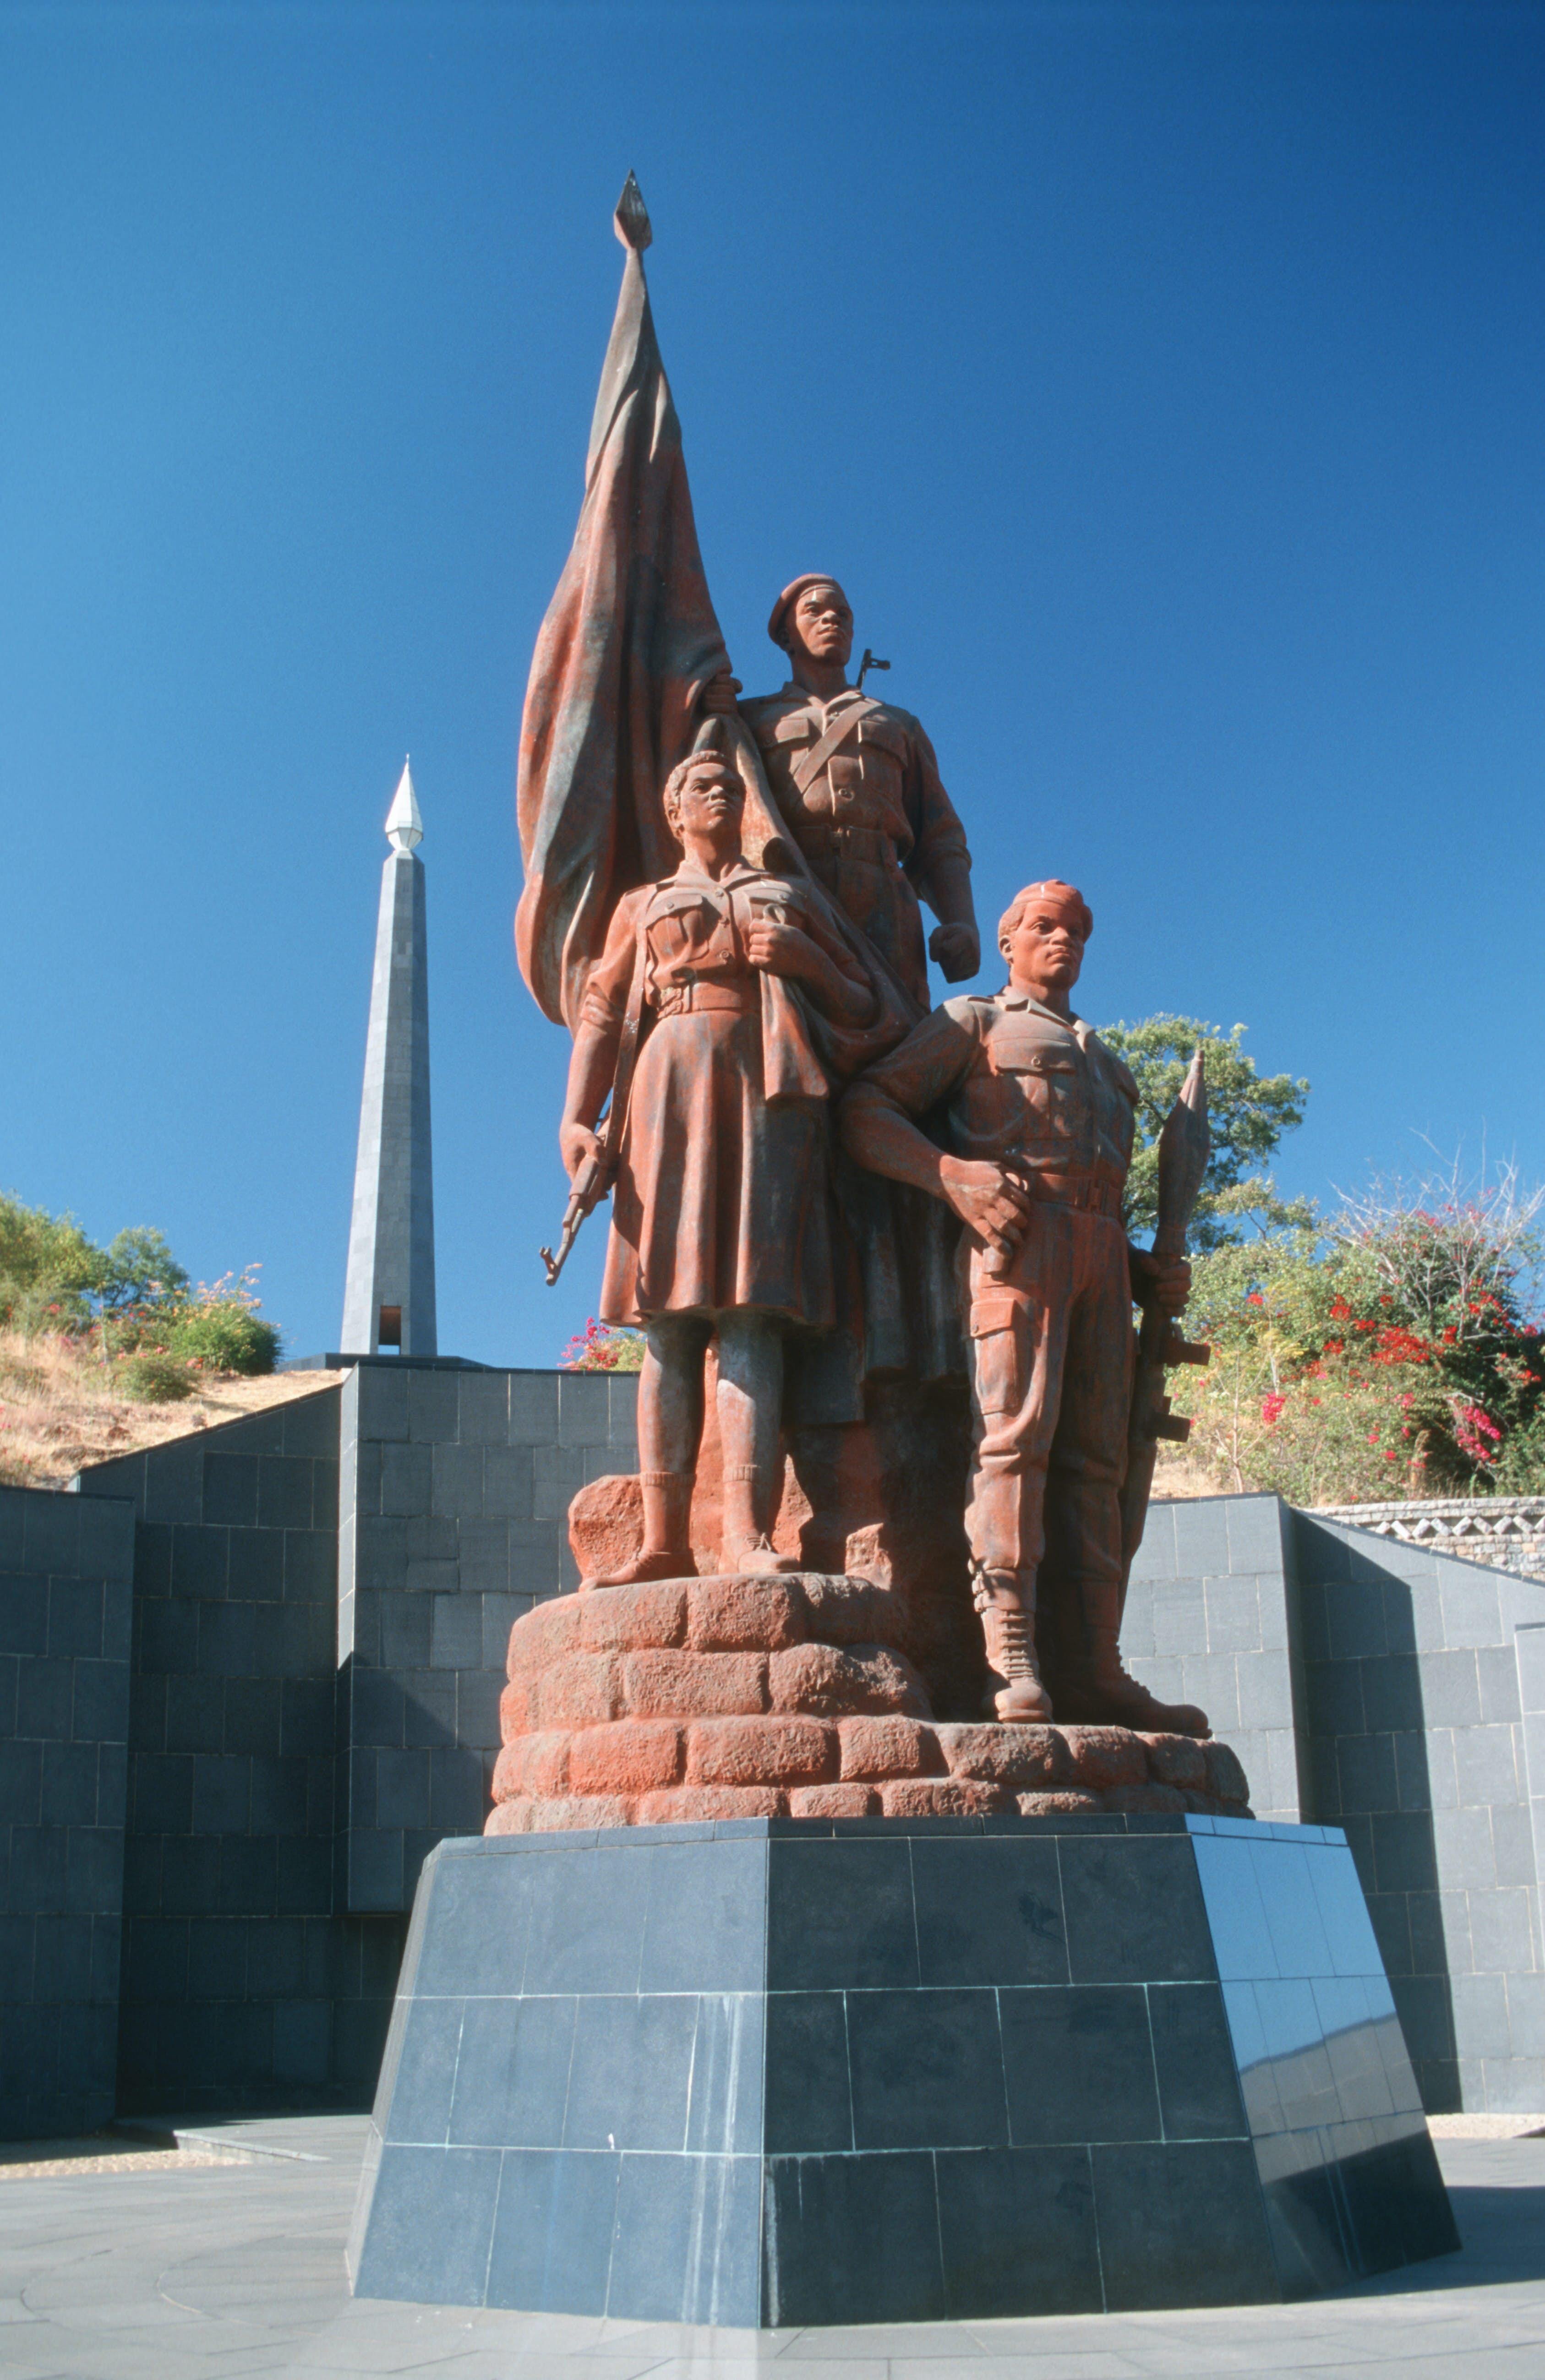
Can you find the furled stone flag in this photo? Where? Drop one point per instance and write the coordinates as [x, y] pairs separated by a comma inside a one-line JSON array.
[[629, 639]]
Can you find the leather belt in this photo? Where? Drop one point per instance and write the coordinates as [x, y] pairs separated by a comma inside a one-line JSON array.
[[854, 841], [690, 996], [1088, 1193]]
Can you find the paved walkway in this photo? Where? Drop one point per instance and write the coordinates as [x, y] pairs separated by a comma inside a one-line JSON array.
[[190, 2273]]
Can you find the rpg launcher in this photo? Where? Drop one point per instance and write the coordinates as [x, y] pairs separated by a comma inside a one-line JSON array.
[[1185, 1146]]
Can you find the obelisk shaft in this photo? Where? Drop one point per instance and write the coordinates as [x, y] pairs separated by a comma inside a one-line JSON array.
[[391, 1246]]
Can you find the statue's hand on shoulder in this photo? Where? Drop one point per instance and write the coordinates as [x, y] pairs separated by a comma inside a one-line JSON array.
[[994, 1202], [955, 951]]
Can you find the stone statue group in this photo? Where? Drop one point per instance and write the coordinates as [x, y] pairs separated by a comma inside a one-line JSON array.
[[812, 1169], [719, 975]]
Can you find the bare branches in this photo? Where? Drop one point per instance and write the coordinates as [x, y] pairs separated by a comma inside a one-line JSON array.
[[1455, 1249]]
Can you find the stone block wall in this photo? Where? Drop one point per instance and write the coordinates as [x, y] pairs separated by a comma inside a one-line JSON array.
[[1413, 1725], [1211, 1618], [240, 1987], [1399, 1693], [65, 1570], [453, 1523]]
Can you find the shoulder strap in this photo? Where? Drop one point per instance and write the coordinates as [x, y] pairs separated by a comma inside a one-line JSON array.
[[628, 1049], [809, 764]]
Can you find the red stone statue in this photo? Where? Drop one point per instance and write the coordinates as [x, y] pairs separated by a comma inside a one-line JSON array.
[[859, 786], [1040, 1130], [721, 1213]]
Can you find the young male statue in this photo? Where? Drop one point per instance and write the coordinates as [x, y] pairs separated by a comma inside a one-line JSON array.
[[858, 786], [720, 1218], [1041, 1127]]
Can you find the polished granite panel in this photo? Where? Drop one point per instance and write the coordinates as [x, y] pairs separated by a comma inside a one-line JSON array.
[[805, 2071], [1346, 2168]]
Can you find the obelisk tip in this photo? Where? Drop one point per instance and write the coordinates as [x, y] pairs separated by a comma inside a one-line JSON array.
[[405, 827], [632, 220]]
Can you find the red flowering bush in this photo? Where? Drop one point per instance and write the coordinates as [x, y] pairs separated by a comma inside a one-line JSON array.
[[603, 1347], [1383, 1352]]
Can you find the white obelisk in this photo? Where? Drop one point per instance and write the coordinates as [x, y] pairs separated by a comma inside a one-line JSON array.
[[389, 1298]]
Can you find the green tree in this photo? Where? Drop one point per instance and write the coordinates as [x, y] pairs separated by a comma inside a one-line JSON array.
[[139, 1269], [1248, 1113], [48, 1268]]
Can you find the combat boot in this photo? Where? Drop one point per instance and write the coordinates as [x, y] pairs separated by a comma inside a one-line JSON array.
[[746, 1546], [1005, 1600], [667, 1549], [1095, 1689]]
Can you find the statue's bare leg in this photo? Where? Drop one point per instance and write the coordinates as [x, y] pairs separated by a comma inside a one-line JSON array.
[[751, 1432], [670, 1426]]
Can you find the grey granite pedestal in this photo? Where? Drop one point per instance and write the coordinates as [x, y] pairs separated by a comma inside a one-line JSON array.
[[780, 2071]]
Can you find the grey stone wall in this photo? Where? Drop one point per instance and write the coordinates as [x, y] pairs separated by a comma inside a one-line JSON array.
[[65, 1597], [1399, 1693], [240, 1987], [1211, 1618], [453, 1522], [1413, 1725]]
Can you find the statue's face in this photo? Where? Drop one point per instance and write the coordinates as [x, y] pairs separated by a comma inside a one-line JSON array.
[[710, 804], [823, 623], [1045, 951]]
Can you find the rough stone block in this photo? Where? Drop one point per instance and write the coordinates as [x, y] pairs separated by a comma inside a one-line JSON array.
[[1035, 1757], [580, 1689], [850, 1610], [629, 1756], [1103, 1758], [685, 1804], [1224, 1776], [606, 1523], [888, 1747], [744, 1615], [535, 1765], [693, 1685], [1175, 1760], [831, 1684], [761, 1752], [941, 1797], [545, 1635], [1044, 1805], [630, 1619], [833, 1801], [559, 1815]]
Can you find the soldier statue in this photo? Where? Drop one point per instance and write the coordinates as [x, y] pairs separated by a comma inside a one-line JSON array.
[[720, 1216], [1040, 1131], [858, 788]]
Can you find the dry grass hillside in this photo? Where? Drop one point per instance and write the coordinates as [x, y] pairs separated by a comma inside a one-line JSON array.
[[61, 1407]]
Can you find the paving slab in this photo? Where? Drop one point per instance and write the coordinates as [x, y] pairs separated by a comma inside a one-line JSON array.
[[237, 2268]]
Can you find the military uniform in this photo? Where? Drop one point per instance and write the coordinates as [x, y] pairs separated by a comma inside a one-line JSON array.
[[1051, 1325], [720, 1201], [859, 787]]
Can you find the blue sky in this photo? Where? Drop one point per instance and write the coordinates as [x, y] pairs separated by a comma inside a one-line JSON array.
[[1163, 382]]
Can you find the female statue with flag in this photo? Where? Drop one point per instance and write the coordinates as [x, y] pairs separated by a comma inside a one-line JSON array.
[[719, 1219], [615, 705]]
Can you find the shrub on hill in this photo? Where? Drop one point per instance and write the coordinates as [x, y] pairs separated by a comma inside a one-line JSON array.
[[127, 1298], [154, 1378]]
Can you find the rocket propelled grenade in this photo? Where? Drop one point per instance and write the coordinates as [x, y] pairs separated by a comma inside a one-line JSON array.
[[1185, 1146]]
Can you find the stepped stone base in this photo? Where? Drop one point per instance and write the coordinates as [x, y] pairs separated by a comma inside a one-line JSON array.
[[707, 1698]]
